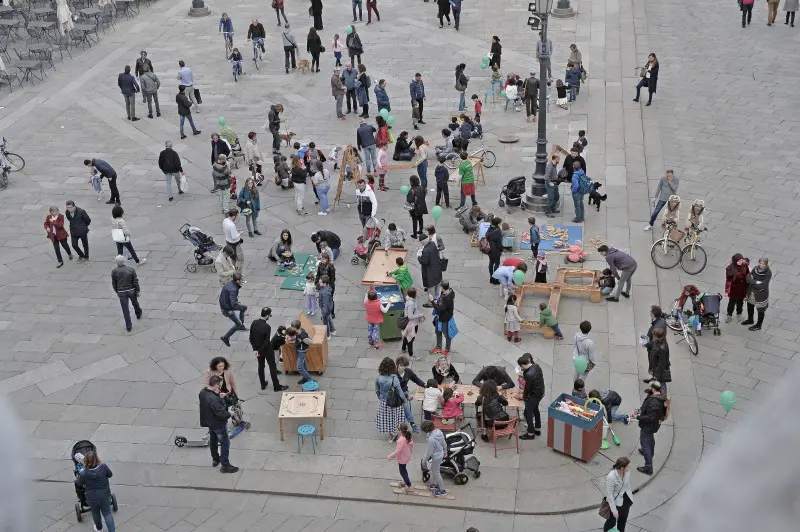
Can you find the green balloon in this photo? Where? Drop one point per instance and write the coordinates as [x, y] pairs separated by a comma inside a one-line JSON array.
[[348, 30], [580, 364], [404, 189], [384, 113], [436, 213], [503, 94], [519, 277], [728, 400], [484, 66], [391, 120], [221, 121]]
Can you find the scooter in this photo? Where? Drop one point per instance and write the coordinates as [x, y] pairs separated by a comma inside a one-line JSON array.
[[237, 420]]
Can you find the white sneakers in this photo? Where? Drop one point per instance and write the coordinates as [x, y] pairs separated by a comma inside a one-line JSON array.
[[648, 227]]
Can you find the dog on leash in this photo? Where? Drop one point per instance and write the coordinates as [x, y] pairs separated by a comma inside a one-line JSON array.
[[595, 197], [304, 65], [287, 138]]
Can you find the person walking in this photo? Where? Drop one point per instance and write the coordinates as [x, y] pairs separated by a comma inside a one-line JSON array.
[[532, 395], [79, 228], [232, 236], [444, 12], [54, 227], [652, 412], [736, 273], [338, 91], [494, 235], [758, 293], [389, 416], [650, 78], [214, 416], [349, 77], [186, 80], [221, 176], [141, 63], [366, 202], [314, 47], [225, 263], [121, 235], [93, 478], [658, 352], [575, 56], [584, 347], [746, 6], [551, 183], [530, 89], [105, 170], [274, 125], [444, 305], [544, 51], [125, 283], [772, 11], [462, 80], [618, 495], [353, 42], [127, 84], [791, 7], [667, 186], [261, 342], [372, 5], [183, 99], [418, 208], [150, 85], [277, 5], [456, 8], [417, 89], [289, 41], [170, 164], [316, 12], [496, 50], [622, 266], [253, 157], [231, 308], [249, 199]]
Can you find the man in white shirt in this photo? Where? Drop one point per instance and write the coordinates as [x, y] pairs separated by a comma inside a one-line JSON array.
[[233, 238], [185, 79], [366, 202]]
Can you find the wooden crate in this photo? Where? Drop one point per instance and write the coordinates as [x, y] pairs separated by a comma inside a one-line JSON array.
[[317, 355]]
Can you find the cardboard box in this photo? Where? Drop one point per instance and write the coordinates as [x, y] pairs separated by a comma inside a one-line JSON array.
[[317, 355]]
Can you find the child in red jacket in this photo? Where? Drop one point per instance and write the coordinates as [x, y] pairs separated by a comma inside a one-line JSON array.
[[451, 409]]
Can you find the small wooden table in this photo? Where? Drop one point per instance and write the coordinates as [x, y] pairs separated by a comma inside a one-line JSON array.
[[379, 264], [471, 393], [304, 405]]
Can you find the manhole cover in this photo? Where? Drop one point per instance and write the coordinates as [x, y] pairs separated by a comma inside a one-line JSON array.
[[508, 139]]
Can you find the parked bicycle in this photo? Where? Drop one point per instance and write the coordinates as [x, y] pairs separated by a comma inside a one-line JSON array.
[[676, 321], [454, 159], [693, 256], [668, 253], [9, 162]]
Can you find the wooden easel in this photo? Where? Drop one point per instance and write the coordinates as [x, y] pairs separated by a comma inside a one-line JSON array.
[[477, 170], [350, 157]]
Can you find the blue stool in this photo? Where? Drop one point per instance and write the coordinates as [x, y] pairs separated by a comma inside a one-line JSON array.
[[489, 92], [310, 386], [302, 432]]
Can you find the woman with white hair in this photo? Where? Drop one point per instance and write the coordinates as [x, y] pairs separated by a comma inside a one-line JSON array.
[[758, 293]]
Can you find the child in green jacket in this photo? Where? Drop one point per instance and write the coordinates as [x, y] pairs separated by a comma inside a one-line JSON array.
[[401, 275], [546, 318]]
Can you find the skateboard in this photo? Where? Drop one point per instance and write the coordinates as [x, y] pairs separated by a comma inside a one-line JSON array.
[[420, 490]]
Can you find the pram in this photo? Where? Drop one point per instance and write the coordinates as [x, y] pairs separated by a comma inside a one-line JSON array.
[[237, 421], [460, 457], [704, 313], [368, 242], [81, 507], [203, 245], [511, 194]]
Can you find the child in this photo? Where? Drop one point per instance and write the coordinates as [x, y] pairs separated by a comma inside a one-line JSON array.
[[395, 237], [432, 399], [578, 389], [546, 318], [467, 178], [371, 183], [375, 311], [326, 304], [285, 257], [282, 172], [94, 179], [509, 237], [497, 77], [453, 125], [561, 89], [512, 319], [478, 105], [405, 446], [415, 114], [299, 336], [477, 132], [310, 292], [442, 175], [447, 147], [435, 451], [301, 152], [401, 275], [535, 237], [451, 411], [582, 138], [607, 282], [382, 167], [337, 51], [541, 268]]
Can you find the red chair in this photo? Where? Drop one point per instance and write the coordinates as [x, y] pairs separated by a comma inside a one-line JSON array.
[[451, 426], [506, 428]]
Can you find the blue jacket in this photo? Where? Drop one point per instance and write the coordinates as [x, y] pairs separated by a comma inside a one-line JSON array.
[[383, 383], [456, 4], [226, 25], [229, 298], [505, 274], [573, 76], [349, 78], [382, 98], [104, 168], [127, 84], [246, 195], [365, 135], [417, 89], [576, 180], [535, 236], [466, 130], [442, 175], [325, 299], [96, 482]]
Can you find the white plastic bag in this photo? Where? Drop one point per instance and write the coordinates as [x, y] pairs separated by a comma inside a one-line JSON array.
[[184, 183]]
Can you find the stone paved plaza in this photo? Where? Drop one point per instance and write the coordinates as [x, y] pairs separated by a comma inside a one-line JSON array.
[[723, 118]]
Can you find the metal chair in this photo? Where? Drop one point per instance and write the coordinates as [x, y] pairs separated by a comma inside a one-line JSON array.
[[506, 428], [9, 77], [76, 37], [61, 46], [107, 17]]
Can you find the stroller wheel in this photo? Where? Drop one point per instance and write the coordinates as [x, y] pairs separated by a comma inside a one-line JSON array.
[[78, 512], [477, 474], [426, 476], [191, 268], [180, 441], [717, 332], [354, 261], [501, 203], [114, 505], [213, 269], [246, 425], [461, 479]]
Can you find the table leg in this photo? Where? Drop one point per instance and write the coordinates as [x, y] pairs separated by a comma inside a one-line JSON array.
[[322, 422], [281, 423]]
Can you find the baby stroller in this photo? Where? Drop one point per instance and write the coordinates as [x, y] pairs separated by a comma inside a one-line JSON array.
[[368, 242], [203, 245], [460, 457], [511, 194], [704, 313], [81, 507]]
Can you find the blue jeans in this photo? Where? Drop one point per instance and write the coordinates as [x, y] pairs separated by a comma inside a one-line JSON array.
[[422, 172], [191, 123], [659, 205], [462, 104], [302, 369], [407, 409], [168, 178], [556, 329], [370, 158], [357, 3], [464, 199], [573, 92], [103, 507], [237, 317], [328, 321], [126, 312], [322, 193], [615, 416], [577, 199], [447, 338], [219, 442], [373, 333], [404, 472], [648, 442], [552, 198], [335, 252]]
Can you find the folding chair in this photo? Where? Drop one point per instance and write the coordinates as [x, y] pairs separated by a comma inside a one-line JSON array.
[[506, 428]]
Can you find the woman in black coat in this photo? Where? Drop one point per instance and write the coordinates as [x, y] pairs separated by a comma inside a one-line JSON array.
[[495, 237], [416, 197], [650, 79], [444, 11], [316, 12], [431, 267], [496, 50], [658, 353], [314, 47]]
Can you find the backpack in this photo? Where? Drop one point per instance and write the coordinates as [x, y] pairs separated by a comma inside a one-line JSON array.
[[585, 185], [484, 246], [369, 82]]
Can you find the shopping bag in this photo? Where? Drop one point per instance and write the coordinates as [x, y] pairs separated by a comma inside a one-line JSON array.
[[197, 96], [184, 183]]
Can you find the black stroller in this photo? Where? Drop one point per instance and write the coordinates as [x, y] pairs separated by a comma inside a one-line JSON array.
[[460, 457], [511, 194], [81, 507], [203, 245]]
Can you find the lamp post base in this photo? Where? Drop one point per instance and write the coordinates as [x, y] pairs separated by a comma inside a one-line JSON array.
[[199, 9], [563, 10]]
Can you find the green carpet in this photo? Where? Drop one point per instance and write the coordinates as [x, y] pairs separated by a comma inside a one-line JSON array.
[[300, 260], [296, 277]]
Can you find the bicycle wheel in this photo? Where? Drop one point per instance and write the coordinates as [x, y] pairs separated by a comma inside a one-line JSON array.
[[691, 341], [16, 162], [255, 60], [3, 180], [665, 253], [693, 261], [452, 161], [489, 159]]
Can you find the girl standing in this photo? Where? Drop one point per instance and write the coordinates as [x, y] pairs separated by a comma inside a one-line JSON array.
[[512, 319], [94, 479], [758, 293], [337, 50], [310, 291], [121, 234], [54, 225], [375, 311], [405, 446], [389, 417], [415, 318], [736, 273], [322, 182], [248, 199], [421, 160]]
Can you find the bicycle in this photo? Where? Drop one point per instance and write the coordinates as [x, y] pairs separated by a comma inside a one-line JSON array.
[[677, 322], [666, 252], [693, 256], [258, 54], [237, 69], [228, 38], [15, 162], [489, 159]]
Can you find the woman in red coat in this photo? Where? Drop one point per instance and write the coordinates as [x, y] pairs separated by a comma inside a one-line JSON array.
[[736, 285], [54, 226]]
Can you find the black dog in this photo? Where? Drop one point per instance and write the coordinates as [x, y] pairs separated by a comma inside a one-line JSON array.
[[595, 197]]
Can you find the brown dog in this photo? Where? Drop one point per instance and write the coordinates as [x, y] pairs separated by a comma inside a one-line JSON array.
[[303, 65], [288, 137]]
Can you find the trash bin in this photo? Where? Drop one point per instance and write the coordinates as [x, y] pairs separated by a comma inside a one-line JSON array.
[[574, 435], [392, 294]]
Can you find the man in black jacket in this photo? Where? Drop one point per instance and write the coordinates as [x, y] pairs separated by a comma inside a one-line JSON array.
[[129, 87], [231, 308], [214, 415], [496, 374], [79, 229], [105, 170], [532, 395], [657, 321], [170, 163], [126, 284], [274, 126], [261, 343], [651, 414], [445, 308], [330, 238]]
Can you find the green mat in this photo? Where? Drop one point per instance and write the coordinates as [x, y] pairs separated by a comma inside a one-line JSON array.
[[296, 277], [294, 283], [300, 259]]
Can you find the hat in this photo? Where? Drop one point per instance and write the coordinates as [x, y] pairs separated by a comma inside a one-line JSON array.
[[442, 158]]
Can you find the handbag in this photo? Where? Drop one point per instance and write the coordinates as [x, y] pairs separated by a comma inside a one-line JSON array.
[[322, 49], [184, 183], [402, 322], [605, 509], [642, 72], [393, 399], [118, 236], [443, 262]]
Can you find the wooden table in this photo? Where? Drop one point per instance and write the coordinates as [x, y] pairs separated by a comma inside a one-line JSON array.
[[379, 264], [304, 405], [470, 393]]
